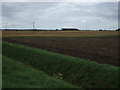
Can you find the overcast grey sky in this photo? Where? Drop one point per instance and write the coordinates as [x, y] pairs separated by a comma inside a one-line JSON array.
[[52, 15]]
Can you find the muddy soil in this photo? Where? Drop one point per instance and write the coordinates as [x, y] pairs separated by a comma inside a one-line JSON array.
[[100, 49]]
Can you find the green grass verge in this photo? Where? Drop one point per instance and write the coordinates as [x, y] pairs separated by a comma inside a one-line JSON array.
[[19, 75], [80, 72]]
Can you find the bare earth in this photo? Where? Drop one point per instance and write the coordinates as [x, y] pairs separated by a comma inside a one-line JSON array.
[[99, 49]]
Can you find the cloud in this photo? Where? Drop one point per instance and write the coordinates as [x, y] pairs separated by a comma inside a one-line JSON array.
[[61, 0], [83, 15]]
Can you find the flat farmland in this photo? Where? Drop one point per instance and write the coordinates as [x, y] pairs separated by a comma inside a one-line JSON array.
[[60, 33], [80, 59], [99, 46]]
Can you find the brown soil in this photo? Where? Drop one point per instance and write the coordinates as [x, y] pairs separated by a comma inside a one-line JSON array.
[[59, 33], [103, 50]]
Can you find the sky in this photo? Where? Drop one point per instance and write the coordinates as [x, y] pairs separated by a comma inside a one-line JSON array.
[[57, 15]]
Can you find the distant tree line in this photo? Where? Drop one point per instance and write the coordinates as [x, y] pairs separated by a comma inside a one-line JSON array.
[[63, 29], [70, 29], [118, 29]]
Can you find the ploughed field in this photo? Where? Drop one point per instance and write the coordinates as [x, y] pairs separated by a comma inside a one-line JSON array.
[[99, 49], [60, 33]]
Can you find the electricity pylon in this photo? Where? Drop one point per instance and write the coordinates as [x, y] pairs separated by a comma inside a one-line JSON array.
[[33, 25]]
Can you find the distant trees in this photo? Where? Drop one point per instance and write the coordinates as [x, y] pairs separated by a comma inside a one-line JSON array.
[[70, 29], [56, 29], [118, 29], [100, 29]]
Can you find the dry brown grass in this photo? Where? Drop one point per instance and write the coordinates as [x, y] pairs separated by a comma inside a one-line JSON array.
[[59, 33]]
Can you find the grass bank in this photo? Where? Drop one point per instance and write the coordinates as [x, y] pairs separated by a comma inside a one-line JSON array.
[[19, 75], [80, 72]]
